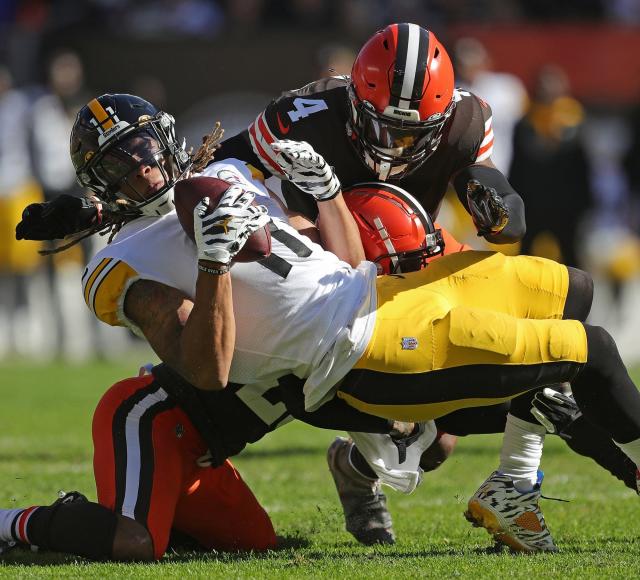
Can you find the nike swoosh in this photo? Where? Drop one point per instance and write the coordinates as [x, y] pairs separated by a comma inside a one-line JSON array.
[[284, 129]]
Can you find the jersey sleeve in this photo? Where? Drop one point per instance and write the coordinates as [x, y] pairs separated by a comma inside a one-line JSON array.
[[486, 145], [472, 133], [104, 284]]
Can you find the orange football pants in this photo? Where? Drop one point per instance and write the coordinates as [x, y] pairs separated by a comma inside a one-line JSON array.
[[145, 453]]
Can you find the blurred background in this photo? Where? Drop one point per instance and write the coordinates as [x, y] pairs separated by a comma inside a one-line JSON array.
[[562, 77]]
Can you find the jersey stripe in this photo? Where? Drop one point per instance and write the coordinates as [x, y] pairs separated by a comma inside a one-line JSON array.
[[92, 278], [261, 137], [108, 290], [486, 147]]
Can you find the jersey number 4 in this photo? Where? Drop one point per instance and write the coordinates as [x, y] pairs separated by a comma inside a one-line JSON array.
[[306, 107]]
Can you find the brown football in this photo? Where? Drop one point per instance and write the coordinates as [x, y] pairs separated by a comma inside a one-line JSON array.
[[189, 192]]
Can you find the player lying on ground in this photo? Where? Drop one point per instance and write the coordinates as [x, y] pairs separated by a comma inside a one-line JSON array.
[[111, 308]]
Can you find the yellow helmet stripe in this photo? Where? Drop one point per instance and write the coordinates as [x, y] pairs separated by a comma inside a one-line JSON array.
[[100, 114]]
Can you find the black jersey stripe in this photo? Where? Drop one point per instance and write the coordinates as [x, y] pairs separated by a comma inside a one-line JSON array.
[[119, 437], [147, 459], [400, 64]]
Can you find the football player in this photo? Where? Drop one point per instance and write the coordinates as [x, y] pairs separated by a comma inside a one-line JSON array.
[[480, 308], [154, 447], [399, 118]]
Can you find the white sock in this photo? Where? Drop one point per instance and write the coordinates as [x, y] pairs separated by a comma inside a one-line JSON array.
[[10, 531], [631, 450], [521, 452]]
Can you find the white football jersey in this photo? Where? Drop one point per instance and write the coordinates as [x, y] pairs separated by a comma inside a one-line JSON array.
[[300, 311]]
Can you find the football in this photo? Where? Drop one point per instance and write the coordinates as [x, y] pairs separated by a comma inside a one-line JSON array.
[[189, 192]]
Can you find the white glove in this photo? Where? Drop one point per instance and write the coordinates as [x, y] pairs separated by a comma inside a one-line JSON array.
[[306, 169], [220, 235]]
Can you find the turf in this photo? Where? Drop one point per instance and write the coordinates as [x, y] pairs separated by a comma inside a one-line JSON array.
[[45, 446]]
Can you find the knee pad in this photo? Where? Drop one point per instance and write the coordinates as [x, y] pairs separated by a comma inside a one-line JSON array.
[[580, 295]]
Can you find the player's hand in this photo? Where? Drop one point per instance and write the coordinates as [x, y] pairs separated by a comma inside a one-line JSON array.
[[554, 411], [54, 220], [306, 169], [488, 210], [221, 234]]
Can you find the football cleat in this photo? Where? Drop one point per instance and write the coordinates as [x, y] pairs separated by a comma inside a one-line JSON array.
[[65, 497], [365, 506], [638, 481], [511, 517]]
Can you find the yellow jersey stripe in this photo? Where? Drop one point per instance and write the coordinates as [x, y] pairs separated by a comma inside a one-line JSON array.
[[100, 114], [89, 283], [109, 292]]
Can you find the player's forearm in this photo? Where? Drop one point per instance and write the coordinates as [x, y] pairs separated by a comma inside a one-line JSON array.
[[208, 337], [339, 232]]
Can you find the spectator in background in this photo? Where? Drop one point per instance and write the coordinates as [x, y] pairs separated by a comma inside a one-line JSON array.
[[53, 113], [550, 168], [22, 314], [505, 92]]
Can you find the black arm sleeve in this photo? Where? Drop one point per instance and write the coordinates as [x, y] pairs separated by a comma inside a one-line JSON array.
[[491, 177]]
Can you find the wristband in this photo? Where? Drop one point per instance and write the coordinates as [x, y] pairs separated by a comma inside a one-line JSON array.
[[214, 271]]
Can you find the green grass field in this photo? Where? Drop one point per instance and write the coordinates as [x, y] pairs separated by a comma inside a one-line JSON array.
[[45, 446]]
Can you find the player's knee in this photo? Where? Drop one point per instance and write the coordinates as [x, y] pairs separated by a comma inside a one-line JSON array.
[[438, 452], [579, 295], [132, 542]]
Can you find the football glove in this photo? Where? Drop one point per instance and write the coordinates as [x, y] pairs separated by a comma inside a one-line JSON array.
[[488, 210], [555, 411], [220, 235], [56, 219], [306, 169]]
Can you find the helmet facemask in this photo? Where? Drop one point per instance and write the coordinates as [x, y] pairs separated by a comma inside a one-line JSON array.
[[129, 149], [394, 143]]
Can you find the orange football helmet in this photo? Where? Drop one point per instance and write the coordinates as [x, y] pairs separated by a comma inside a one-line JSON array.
[[398, 235], [401, 95]]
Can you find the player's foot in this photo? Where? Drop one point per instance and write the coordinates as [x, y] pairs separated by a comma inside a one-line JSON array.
[[70, 497], [365, 506], [511, 517], [638, 481]]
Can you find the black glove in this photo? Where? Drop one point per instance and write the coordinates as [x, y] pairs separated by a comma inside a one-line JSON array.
[[488, 210], [555, 411], [54, 220]]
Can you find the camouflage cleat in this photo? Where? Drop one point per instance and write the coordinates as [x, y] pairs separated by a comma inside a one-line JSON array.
[[511, 517], [364, 504]]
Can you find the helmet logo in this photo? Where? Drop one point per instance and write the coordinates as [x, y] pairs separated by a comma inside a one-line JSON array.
[[409, 343]]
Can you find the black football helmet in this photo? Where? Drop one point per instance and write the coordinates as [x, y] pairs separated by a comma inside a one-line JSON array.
[[112, 137]]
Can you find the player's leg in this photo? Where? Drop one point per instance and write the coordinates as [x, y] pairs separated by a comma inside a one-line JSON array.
[[523, 439], [139, 464], [71, 525], [219, 511]]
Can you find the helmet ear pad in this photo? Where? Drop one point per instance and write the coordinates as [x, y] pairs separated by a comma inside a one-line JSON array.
[[396, 232]]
